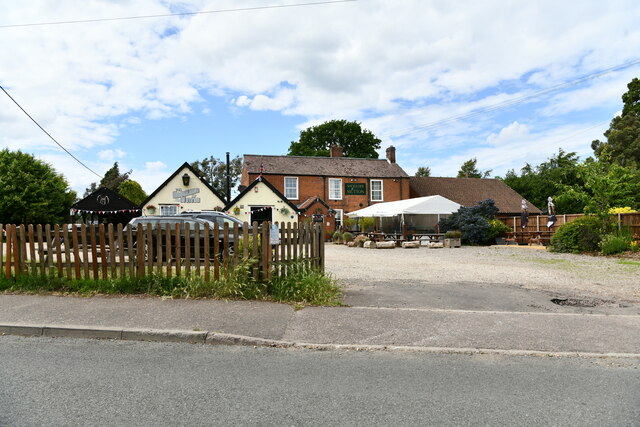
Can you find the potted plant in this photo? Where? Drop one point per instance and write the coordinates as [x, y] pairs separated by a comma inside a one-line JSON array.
[[337, 238], [498, 231], [236, 211], [453, 239], [151, 209], [284, 211]]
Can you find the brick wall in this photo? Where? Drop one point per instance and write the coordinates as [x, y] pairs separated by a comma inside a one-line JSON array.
[[312, 186]]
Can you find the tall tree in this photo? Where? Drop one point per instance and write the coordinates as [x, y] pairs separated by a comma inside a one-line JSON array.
[[550, 178], [469, 169], [605, 186], [111, 180], [423, 171], [31, 191], [215, 172], [355, 141], [133, 191], [623, 136]]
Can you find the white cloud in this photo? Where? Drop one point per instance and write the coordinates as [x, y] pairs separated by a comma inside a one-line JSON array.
[[396, 66], [111, 155]]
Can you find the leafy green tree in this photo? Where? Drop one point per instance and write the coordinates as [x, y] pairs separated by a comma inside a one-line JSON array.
[[31, 191], [215, 172], [469, 169], [111, 180], [606, 185], [423, 171], [554, 178], [133, 191], [355, 141], [623, 136]]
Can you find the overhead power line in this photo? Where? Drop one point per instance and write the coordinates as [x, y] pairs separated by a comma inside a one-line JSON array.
[[165, 15], [516, 100], [47, 133]]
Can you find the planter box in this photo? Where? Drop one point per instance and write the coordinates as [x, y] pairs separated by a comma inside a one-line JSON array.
[[452, 243]]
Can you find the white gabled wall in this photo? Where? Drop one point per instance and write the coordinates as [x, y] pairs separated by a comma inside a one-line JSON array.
[[195, 196], [263, 197]]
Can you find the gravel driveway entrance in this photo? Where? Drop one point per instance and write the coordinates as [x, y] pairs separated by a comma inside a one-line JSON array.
[[485, 278]]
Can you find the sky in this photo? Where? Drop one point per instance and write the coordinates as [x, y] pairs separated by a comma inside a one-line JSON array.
[[506, 82]]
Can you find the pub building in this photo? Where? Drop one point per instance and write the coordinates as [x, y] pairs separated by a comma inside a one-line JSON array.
[[185, 190]]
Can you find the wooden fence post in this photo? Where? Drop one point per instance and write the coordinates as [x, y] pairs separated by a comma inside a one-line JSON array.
[[76, 252], [255, 234], [67, 249], [265, 251]]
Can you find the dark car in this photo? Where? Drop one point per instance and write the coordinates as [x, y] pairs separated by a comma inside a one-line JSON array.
[[182, 221]]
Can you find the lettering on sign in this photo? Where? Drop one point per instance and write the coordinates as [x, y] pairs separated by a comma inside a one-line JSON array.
[[352, 189], [186, 196]]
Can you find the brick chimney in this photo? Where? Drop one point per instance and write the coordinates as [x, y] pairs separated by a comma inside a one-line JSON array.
[[335, 151], [391, 154]]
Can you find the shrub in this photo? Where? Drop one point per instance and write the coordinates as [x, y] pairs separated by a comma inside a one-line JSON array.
[[337, 237], [453, 234], [305, 285], [347, 237], [366, 224], [613, 244], [360, 239], [581, 235], [625, 209], [498, 228], [473, 222], [349, 223]]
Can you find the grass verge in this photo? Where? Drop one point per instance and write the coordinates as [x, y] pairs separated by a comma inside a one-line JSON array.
[[301, 286]]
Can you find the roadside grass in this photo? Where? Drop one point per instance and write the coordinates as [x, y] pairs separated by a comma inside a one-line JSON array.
[[627, 262], [302, 286]]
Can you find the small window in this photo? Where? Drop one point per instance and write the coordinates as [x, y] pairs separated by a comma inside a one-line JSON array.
[[291, 187], [335, 189], [168, 210], [376, 190]]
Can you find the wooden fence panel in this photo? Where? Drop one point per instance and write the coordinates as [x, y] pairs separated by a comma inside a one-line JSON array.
[[216, 251], [40, 249], [254, 233], [187, 249], [121, 244], [115, 251], [76, 252], [207, 263]]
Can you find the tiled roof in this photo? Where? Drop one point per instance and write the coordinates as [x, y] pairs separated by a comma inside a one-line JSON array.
[[323, 166], [469, 191]]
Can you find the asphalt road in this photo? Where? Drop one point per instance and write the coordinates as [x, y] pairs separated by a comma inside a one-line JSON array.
[[88, 382]]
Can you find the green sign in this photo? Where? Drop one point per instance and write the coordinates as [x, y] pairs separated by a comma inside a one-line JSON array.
[[351, 189]]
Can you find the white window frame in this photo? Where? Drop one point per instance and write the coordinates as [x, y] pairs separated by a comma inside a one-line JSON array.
[[168, 207], [381, 199], [339, 180], [339, 217], [296, 187]]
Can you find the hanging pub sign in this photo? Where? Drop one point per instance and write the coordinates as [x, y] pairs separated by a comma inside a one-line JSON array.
[[352, 189], [318, 217]]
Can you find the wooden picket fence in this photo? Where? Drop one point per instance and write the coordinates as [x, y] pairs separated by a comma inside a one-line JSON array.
[[112, 251]]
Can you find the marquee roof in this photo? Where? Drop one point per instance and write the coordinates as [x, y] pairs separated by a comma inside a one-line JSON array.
[[418, 206]]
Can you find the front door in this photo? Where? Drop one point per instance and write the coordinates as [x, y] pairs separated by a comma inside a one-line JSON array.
[[261, 214]]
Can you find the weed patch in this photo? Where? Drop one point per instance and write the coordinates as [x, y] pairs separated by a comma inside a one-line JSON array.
[[302, 285]]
